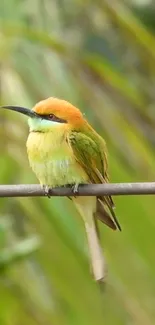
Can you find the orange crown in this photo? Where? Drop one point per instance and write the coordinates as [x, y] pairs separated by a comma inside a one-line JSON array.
[[61, 109]]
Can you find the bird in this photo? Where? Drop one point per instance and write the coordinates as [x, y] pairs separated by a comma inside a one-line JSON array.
[[64, 149]]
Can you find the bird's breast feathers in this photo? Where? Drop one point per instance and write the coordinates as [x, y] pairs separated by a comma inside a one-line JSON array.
[[52, 159]]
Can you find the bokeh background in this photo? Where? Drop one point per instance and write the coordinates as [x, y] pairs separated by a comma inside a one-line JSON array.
[[100, 55]]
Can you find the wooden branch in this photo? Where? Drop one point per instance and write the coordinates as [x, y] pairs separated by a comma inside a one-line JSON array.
[[83, 190]]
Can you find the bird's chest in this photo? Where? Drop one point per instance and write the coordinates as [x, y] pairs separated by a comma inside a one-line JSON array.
[[52, 159]]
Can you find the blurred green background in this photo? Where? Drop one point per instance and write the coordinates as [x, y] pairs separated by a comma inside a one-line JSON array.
[[99, 55]]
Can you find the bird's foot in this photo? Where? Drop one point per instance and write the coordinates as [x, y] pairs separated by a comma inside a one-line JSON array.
[[75, 189], [47, 191]]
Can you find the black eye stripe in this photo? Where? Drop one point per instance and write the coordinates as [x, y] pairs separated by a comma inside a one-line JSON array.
[[52, 117]]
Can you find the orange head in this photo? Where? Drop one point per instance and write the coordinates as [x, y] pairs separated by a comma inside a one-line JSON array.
[[58, 110], [51, 112]]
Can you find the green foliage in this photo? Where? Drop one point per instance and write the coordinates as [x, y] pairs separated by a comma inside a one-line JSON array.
[[101, 57]]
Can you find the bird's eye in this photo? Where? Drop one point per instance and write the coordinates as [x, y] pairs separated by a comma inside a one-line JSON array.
[[51, 116]]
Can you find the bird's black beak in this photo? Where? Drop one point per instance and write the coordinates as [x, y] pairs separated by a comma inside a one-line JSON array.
[[22, 110]]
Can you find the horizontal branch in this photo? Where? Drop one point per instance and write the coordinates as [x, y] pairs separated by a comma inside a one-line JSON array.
[[83, 190]]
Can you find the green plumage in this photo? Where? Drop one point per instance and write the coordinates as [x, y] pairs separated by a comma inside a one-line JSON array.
[[61, 156], [92, 157]]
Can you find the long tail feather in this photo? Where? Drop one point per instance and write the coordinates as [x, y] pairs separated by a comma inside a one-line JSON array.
[[87, 211]]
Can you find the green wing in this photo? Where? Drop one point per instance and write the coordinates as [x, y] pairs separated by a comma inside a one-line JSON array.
[[91, 155]]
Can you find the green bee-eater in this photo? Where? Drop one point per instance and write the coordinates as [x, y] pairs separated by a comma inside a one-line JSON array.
[[64, 149]]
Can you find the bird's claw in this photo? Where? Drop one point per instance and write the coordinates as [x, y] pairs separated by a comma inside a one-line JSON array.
[[47, 191], [75, 188]]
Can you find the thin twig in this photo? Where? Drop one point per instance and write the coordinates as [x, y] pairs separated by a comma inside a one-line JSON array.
[[83, 190]]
